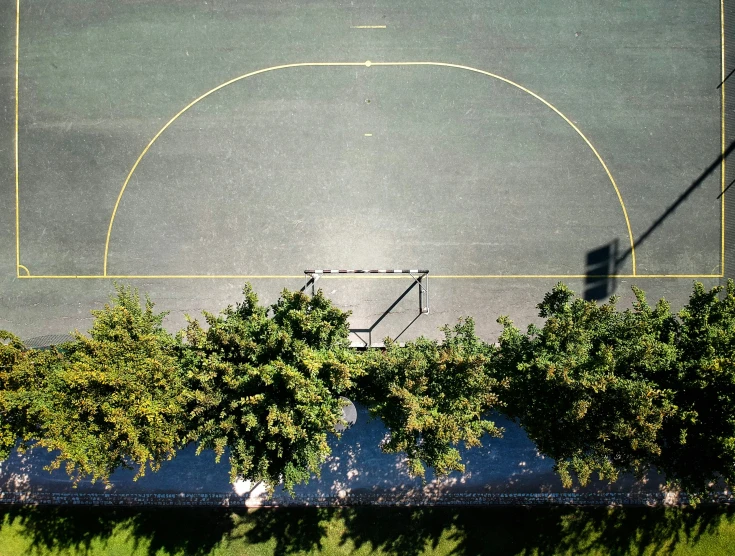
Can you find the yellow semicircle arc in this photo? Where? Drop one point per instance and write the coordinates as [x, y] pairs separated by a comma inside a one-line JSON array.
[[370, 64]]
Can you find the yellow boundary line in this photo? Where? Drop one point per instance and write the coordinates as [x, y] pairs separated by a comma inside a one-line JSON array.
[[17, 160], [368, 64], [367, 276], [722, 128]]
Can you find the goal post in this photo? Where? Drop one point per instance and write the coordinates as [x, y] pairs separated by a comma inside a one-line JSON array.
[[420, 277]]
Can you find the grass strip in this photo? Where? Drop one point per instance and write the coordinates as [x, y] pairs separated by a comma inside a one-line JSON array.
[[406, 531]]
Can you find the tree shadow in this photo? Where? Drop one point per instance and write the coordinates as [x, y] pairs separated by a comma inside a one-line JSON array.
[[403, 531], [295, 530], [638, 530], [194, 531], [531, 530]]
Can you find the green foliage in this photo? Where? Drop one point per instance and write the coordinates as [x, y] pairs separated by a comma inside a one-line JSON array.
[[431, 396], [114, 399], [12, 422], [20, 379], [699, 442], [583, 386], [268, 387], [597, 389]]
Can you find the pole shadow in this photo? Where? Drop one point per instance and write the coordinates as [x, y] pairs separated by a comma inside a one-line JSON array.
[[676, 204]]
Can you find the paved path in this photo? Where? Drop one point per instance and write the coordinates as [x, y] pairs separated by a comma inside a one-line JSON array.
[[502, 471]]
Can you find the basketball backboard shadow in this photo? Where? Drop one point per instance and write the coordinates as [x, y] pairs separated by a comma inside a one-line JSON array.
[[601, 266]]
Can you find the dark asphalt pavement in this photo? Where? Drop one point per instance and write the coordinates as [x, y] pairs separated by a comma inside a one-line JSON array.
[[380, 166], [354, 165]]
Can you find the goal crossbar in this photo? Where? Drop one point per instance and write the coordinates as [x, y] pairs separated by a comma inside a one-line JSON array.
[[364, 271]]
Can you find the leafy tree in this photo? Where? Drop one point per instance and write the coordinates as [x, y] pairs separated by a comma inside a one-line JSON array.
[[432, 396], [114, 399], [699, 441], [268, 387], [21, 377], [584, 385]]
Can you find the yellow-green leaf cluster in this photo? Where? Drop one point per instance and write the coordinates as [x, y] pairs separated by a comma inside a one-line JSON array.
[[113, 399], [584, 385]]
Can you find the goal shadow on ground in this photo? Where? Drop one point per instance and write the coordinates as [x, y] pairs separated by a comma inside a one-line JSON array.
[[364, 334]]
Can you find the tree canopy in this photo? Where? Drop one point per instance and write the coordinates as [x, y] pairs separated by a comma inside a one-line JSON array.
[[265, 382], [699, 440], [584, 385], [21, 378], [113, 399], [599, 390], [432, 396]]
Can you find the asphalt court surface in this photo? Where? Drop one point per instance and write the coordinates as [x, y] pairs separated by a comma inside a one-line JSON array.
[[477, 139]]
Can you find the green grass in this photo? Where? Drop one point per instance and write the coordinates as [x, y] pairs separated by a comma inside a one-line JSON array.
[[522, 531]]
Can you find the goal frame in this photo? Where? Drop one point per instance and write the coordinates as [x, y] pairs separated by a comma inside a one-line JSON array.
[[420, 277]]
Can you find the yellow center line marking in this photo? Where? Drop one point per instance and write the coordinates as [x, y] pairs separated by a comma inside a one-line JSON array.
[[367, 26], [369, 63], [368, 135]]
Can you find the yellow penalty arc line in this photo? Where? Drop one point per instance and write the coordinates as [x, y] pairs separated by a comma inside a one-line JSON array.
[[369, 64], [178, 114]]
